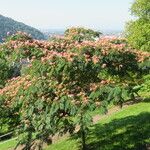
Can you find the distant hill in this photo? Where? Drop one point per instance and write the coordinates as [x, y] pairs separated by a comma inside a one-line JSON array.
[[12, 26]]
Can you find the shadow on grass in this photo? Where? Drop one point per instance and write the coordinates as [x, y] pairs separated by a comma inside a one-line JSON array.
[[129, 133], [137, 100], [147, 100]]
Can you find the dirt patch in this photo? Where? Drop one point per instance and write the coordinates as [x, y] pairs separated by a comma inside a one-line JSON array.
[[115, 109]]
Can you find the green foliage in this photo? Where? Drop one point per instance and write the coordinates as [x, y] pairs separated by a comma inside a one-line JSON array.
[[18, 36], [141, 9], [81, 34], [145, 90], [4, 69], [138, 31], [138, 34]]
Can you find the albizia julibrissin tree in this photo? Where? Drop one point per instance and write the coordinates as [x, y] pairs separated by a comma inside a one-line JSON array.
[[63, 82]]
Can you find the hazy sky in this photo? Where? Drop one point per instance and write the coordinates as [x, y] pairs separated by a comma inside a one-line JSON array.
[[98, 14]]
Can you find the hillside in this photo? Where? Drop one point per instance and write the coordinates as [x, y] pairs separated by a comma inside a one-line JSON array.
[[12, 26]]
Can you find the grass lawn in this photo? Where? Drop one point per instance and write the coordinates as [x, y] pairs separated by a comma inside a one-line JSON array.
[[7, 145], [123, 130], [127, 129]]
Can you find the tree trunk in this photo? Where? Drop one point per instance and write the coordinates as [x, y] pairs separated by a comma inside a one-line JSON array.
[[83, 139], [29, 140], [83, 135]]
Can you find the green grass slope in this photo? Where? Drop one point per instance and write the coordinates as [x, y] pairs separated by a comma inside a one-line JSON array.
[[127, 129]]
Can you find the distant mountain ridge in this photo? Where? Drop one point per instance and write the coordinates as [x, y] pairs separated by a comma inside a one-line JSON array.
[[12, 26]]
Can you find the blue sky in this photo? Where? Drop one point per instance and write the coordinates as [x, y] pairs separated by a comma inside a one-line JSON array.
[[97, 14]]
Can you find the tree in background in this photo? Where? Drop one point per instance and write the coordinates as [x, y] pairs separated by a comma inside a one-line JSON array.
[[81, 34], [138, 31]]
